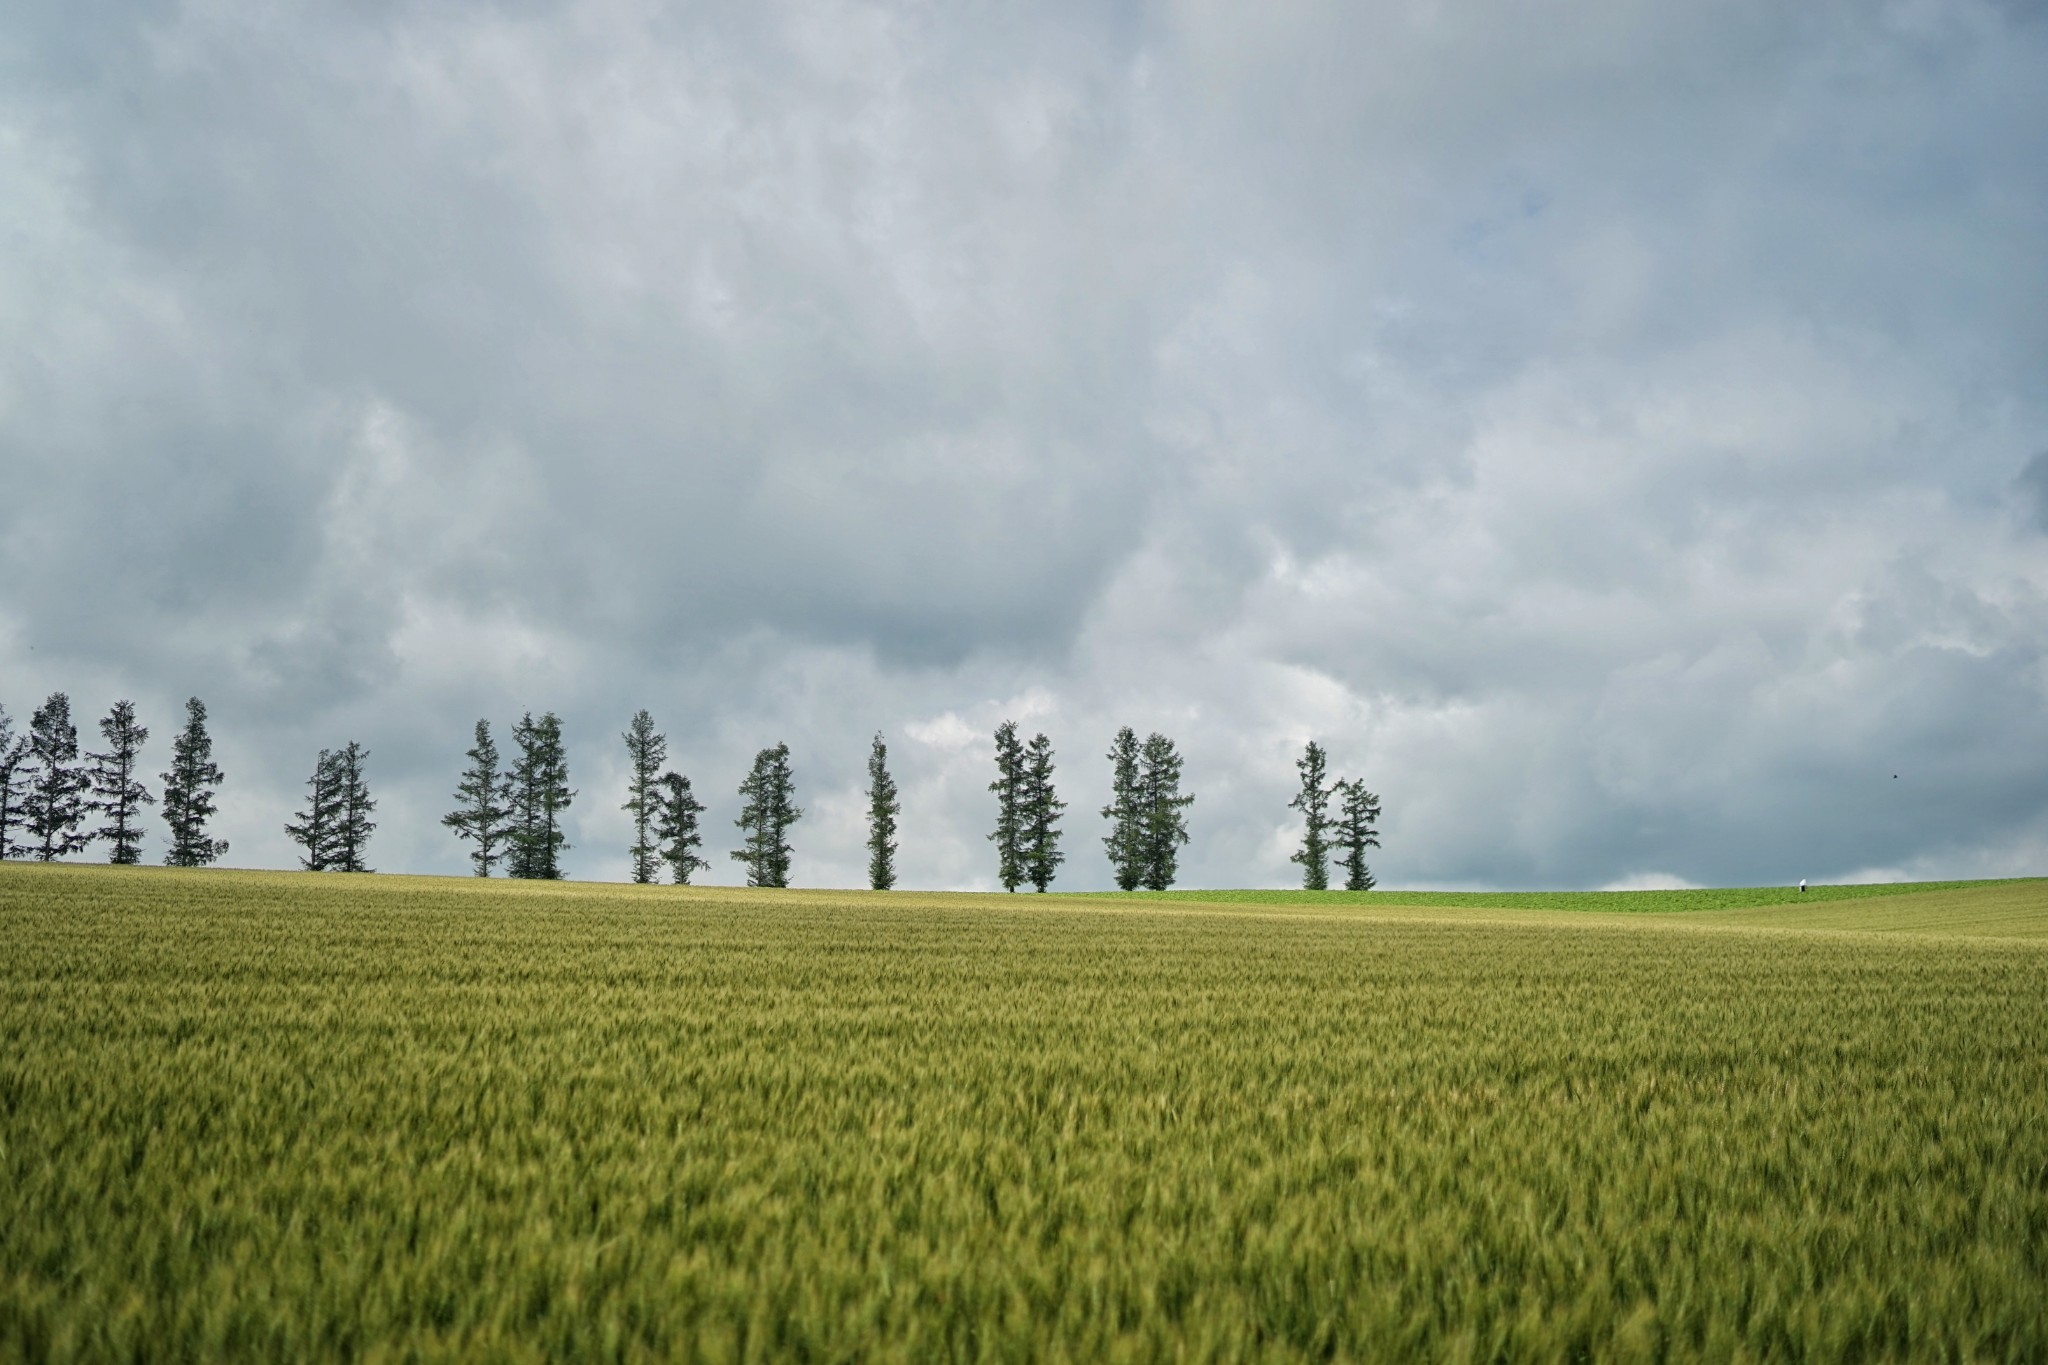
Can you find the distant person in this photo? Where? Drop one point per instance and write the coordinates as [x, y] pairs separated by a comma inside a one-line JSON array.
[[1802, 886]]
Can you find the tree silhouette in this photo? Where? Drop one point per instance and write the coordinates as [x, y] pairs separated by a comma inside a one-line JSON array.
[[537, 791], [1313, 801], [115, 792], [1358, 814], [646, 751], [1008, 835], [677, 828], [56, 803], [352, 823], [883, 808], [1038, 813], [481, 816], [189, 789], [13, 777], [1162, 818], [767, 811], [313, 828], [1124, 812]]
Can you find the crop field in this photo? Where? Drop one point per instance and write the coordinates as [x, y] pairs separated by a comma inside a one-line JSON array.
[[1611, 902], [298, 1116]]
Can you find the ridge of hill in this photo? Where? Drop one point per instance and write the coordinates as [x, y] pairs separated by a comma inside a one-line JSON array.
[[1609, 902], [2007, 908]]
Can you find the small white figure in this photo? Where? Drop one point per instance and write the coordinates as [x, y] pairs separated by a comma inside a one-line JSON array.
[[1802, 886]]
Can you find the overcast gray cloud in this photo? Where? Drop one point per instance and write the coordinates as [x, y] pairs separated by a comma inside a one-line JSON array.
[[1618, 433]]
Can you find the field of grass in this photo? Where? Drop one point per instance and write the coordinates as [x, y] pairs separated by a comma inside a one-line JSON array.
[[1611, 902], [277, 1116]]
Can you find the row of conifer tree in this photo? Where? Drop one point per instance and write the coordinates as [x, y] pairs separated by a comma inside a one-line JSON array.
[[50, 792], [512, 812]]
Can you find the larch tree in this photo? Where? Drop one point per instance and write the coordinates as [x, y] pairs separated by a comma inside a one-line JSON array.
[[1358, 814], [1008, 835], [1124, 812], [1039, 808], [13, 774], [677, 827], [767, 810], [537, 790], [313, 828], [1313, 801], [55, 805], [1162, 813], [354, 806], [116, 794], [646, 751], [883, 808], [189, 789], [482, 815]]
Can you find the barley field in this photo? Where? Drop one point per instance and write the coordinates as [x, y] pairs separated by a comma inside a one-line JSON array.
[[255, 1116], [1611, 902]]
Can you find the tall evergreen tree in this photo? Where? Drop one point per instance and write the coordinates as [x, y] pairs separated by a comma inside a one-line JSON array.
[[482, 791], [1313, 801], [13, 773], [538, 792], [646, 751], [1358, 814], [1008, 835], [313, 828], [767, 811], [1125, 813], [353, 807], [1038, 812], [56, 802], [189, 789], [1162, 819], [115, 792], [677, 828], [883, 808]]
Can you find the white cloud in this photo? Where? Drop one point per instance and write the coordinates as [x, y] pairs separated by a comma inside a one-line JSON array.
[[948, 732], [1600, 430]]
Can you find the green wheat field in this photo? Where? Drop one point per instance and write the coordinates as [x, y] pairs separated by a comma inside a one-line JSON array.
[[273, 1116]]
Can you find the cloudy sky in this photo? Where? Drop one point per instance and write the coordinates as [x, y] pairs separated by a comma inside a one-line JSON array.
[[1618, 431]]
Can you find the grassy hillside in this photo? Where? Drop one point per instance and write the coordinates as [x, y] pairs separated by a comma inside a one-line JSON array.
[[2010, 909], [1608, 902], [268, 1116]]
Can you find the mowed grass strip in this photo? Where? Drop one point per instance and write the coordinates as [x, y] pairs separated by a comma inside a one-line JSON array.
[[266, 1116]]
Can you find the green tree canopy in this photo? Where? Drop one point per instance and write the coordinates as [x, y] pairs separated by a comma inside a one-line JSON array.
[[883, 808], [768, 808], [55, 806], [352, 826], [677, 827], [1125, 813], [313, 828], [189, 789], [482, 790], [13, 776], [116, 794], [646, 751], [1008, 835], [1313, 801], [1358, 815], [1161, 813], [537, 793], [1038, 815]]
